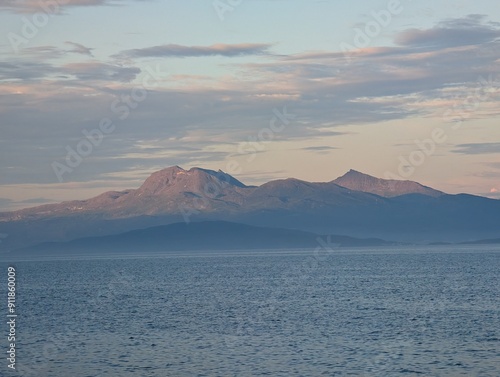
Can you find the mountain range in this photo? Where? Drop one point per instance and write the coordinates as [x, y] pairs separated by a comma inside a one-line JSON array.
[[354, 205], [204, 235]]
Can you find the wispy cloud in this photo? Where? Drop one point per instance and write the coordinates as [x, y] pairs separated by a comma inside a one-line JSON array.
[[46, 53], [471, 30], [179, 51], [494, 165], [319, 148], [478, 148], [86, 72], [411, 79], [101, 71], [31, 6], [42, 53], [23, 70], [79, 49], [11, 205]]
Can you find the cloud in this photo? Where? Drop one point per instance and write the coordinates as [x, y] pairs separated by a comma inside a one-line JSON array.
[[51, 53], [465, 31], [179, 51], [35, 201], [493, 193], [5, 202], [23, 70], [494, 165], [319, 148], [101, 71], [478, 148], [42, 53], [84, 72], [80, 49], [11, 205], [322, 88], [54, 7]]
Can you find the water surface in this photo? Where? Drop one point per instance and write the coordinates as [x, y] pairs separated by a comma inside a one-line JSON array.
[[368, 312]]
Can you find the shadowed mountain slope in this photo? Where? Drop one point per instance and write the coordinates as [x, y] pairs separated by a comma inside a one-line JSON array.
[[209, 235]]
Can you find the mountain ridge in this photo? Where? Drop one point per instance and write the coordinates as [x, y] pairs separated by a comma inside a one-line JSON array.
[[208, 235], [388, 188], [176, 184], [356, 205]]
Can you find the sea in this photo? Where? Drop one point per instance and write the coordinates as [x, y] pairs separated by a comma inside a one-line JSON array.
[[393, 311]]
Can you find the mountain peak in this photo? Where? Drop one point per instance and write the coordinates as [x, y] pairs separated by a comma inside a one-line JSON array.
[[355, 180], [356, 174], [177, 179]]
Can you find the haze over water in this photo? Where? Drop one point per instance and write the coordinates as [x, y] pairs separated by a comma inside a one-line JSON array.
[[430, 311]]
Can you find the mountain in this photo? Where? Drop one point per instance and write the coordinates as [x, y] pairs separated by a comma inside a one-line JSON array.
[[387, 188], [209, 235], [163, 192], [174, 190], [495, 241], [355, 205]]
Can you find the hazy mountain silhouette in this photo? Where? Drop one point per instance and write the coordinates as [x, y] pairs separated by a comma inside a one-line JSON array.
[[209, 235], [355, 205], [494, 241]]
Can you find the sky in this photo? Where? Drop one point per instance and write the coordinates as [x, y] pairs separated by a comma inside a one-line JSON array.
[[95, 95]]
